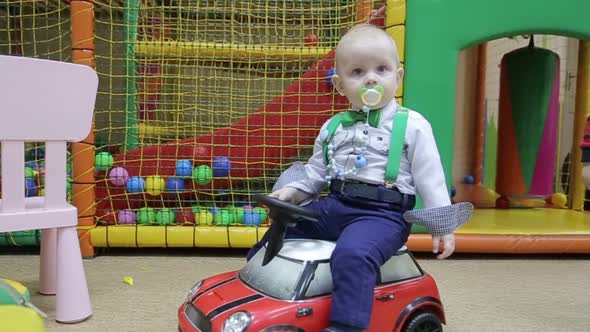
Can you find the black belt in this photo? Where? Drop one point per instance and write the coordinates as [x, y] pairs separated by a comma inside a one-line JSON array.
[[373, 192]]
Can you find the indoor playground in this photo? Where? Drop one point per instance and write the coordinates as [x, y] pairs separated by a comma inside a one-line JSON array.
[[202, 104]]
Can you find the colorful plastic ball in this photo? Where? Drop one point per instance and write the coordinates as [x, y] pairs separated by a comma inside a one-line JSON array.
[[165, 216], [32, 164], [202, 175], [146, 215], [154, 185], [103, 161], [469, 179], [559, 200], [69, 182], [251, 219], [247, 207], [331, 72], [221, 166], [238, 214], [135, 184], [184, 216], [214, 211], [29, 173], [489, 195], [195, 208], [118, 176], [30, 188], [174, 184], [548, 202], [260, 212], [223, 217], [204, 217], [126, 217], [311, 40], [184, 168], [502, 202], [37, 153], [8, 287]]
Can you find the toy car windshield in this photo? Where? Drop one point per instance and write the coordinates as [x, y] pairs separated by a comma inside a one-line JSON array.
[[302, 270]]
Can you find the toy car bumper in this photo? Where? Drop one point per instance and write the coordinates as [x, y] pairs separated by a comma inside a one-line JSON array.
[[191, 319]]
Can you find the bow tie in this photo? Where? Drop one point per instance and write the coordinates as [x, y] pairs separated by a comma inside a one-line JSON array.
[[349, 118]]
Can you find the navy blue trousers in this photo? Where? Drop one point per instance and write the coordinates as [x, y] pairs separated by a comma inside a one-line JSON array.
[[367, 234]]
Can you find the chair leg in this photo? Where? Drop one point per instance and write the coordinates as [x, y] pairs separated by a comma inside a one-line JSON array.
[[72, 298], [47, 272]]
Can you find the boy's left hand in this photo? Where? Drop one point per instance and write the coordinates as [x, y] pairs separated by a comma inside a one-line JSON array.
[[448, 245]]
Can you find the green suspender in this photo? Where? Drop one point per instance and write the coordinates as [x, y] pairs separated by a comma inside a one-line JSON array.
[[396, 146]]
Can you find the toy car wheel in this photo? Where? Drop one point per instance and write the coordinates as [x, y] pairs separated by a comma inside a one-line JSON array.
[[423, 322]]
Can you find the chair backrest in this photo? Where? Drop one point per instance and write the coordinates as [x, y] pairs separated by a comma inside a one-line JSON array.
[[41, 101], [44, 100]]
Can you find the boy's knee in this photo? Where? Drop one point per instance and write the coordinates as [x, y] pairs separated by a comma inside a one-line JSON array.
[[348, 255]]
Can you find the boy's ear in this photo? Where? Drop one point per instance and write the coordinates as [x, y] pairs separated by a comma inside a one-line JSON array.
[[337, 82], [400, 75]]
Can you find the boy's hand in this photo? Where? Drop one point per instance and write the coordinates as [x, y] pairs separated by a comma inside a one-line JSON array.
[[290, 194], [448, 245]]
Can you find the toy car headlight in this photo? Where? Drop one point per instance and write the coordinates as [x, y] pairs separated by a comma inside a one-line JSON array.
[[237, 322], [193, 290]]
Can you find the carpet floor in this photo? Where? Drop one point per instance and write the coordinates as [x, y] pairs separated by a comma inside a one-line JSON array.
[[480, 292]]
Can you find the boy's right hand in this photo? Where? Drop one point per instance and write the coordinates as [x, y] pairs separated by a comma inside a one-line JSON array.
[[290, 194]]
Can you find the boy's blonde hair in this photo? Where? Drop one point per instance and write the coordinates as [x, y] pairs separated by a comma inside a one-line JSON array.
[[363, 31]]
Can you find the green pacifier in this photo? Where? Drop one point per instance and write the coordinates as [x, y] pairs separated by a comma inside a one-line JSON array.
[[372, 96]]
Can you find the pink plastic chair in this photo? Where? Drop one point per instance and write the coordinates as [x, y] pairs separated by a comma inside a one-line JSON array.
[[51, 102]]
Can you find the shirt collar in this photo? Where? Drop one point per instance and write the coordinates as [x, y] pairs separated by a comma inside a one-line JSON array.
[[391, 107]]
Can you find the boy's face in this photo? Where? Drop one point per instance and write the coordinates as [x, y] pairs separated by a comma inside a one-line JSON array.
[[367, 61]]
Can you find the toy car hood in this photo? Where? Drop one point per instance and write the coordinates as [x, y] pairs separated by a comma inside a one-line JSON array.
[[223, 296], [212, 305]]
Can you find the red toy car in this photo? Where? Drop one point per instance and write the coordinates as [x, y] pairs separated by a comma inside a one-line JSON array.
[[289, 289]]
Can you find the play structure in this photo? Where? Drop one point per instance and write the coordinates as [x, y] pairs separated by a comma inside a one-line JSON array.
[[200, 106]]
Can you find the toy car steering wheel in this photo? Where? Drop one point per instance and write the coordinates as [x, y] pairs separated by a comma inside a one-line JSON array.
[[282, 214]]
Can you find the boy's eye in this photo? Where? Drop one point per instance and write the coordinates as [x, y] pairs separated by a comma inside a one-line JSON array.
[[381, 69], [357, 72]]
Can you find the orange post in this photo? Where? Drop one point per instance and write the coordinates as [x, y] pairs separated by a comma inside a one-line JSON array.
[[363, 10], [479, 128], [82, 21]]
